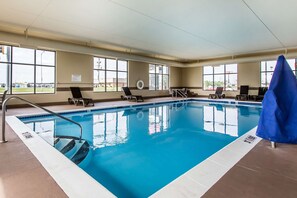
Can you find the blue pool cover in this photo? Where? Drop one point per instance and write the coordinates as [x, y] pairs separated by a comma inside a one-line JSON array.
[[278, 120]]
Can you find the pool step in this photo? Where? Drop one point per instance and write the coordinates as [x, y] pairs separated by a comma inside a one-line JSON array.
[[56, 140], [81, 152], [64, 145], [72, 148]]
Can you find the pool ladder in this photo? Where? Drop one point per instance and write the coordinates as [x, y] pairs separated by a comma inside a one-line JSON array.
[[36, 106], [178, 92]]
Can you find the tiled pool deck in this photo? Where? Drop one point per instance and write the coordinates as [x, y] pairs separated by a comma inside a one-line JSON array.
[[263, 172]]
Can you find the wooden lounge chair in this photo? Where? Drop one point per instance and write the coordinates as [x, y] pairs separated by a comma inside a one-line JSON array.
[[244, 93], [217, 94], [77, 97], [128, 95], [260, 96]]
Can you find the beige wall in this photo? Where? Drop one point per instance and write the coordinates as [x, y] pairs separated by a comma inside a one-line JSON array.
[[73, 63], [175, 77], [69, 63], [248, 74], [138, 71], [191, 77]]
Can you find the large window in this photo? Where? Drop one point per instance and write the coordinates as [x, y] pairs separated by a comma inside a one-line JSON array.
[[220, 76], [110, 74], [25, 70], [159, 77], [267, 68]]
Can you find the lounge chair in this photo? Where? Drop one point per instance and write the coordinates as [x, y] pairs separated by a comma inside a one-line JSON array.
[[191, 93], [243, 93], [128, 95], [77, 97], [3, 98], [217, 94], [260, 96]]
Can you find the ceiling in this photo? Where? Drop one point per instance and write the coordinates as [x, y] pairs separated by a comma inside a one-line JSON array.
[[185, 30]]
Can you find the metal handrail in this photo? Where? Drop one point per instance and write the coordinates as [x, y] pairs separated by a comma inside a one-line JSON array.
[[178, 91], [36, 106]]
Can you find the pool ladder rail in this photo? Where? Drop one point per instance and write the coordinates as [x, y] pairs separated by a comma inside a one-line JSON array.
[[36, 106], [179, 92]]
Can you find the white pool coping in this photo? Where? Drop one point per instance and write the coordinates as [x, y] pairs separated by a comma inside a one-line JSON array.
[[77, 183]]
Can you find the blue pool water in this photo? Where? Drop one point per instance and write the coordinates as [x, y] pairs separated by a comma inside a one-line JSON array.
[[136, 151]]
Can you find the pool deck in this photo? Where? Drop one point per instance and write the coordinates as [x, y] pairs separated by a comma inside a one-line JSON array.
[[263, 172]]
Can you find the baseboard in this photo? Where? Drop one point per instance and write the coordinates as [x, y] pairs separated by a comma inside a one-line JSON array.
[[66, 102]]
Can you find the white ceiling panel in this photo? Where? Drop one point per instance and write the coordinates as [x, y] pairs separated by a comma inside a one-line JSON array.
[[8, 15], [227, 23], [119, 25], [188, 29], [30, 6], [280, 17]]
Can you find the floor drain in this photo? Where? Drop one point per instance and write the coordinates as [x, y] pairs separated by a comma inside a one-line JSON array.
[[249, 139], [27, 135]]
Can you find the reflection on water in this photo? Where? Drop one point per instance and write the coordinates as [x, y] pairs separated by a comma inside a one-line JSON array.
[[221, 119], [158, 119], [45, 129], [109, 129], [112, 128]]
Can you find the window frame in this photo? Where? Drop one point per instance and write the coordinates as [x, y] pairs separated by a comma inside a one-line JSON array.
[[105, 70], [213, 74], [11, 63], [162, 80], [265, 72]]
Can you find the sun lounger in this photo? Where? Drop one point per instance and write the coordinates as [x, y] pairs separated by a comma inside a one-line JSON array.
[[77, 97], [128, 95], [243, 93], [217, 94]]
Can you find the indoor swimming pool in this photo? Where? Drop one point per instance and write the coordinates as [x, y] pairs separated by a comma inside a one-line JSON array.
[[137, 150]]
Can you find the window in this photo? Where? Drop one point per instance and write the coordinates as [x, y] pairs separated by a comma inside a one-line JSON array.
[[267, 68], [220, 76], [158, 77], [25, 70], [110, 74]]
